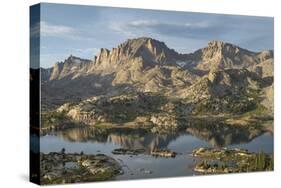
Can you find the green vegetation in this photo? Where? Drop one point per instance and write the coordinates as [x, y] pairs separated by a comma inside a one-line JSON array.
[[52, 118], [262, 162], [88, 168], [259, 110], [229, 161], [56, 121], [228, 105], [247, 103]]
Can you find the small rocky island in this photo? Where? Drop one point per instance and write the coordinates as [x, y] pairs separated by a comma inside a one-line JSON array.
[[156, 152], [224, 160], [61, 167], [127, 151], [163, 153]]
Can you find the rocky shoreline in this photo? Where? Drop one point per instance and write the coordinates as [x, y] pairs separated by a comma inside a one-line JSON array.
[[216, 161], [61, 167], [160, 124]]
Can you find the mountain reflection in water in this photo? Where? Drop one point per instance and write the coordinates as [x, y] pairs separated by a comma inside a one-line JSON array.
[[216, 134], [126, 138], [220, 135]]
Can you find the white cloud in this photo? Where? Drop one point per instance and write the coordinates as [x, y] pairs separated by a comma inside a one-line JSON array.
[[143, 23], [87, 53], [143, 27], [87, 50], [48, 29], [154, 23], [193, 29], [198, 24], [121, 28]]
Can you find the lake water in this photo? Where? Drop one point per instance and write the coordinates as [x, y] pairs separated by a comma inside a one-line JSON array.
[[147, 166]]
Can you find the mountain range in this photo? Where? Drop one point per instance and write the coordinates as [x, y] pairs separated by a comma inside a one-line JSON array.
[[218, 78]]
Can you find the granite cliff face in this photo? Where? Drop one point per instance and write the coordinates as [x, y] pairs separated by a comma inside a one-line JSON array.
[[148, 50], [141, 53], [218, 54], [219, 78]]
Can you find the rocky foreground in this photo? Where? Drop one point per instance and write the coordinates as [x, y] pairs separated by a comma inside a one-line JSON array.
[[60, 167], [231, 161]]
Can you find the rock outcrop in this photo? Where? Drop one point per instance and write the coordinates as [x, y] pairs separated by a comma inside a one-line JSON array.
[[63, 167]]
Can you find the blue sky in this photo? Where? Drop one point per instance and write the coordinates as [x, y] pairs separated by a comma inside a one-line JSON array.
[[83, 30]]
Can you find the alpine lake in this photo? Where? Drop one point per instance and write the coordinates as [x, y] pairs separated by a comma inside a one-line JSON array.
[[143, 164]]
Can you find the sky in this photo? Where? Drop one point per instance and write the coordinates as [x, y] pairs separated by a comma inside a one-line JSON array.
[[83, 30]]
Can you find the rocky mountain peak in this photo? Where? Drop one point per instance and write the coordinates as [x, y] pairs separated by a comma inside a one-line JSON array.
[[74, 59], [103, 55], [216, 43], [129, 59], [69, 66], [146, 42], [265, 55], [148, 50], [223, 47], [218, 54]]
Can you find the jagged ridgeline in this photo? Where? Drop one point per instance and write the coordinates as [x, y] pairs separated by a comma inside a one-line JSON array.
[[144, 81]]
